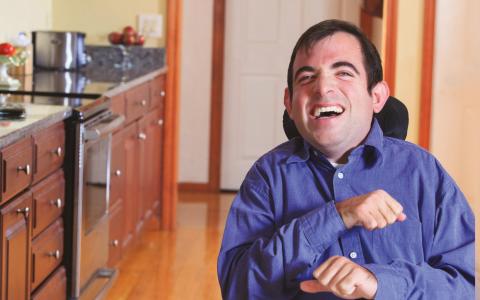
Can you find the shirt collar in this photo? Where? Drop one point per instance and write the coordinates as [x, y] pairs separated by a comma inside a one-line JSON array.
[[303, 149]]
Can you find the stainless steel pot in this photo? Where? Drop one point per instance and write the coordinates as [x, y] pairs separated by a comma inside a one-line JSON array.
[[59, 50]]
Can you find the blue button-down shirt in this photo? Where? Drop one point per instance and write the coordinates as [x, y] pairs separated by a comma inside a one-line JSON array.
[[283, 224]]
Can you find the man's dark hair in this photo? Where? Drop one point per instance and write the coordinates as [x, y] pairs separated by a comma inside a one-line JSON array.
[[371, 58]]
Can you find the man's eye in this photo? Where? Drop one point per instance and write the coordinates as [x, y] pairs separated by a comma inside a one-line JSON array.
[[344, 74], [306, 78]]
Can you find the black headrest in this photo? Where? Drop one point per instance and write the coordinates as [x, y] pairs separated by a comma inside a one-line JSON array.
[[393, 119]]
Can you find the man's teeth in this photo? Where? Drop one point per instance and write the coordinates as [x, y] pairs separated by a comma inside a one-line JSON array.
[[327, 111]]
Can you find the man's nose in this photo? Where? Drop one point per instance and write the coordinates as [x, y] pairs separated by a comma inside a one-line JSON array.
[[324, 85]]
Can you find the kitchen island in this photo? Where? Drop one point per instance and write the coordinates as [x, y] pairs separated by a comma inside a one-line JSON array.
[[137, 179]]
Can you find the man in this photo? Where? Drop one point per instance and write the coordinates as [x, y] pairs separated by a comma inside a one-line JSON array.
[[344, 212]]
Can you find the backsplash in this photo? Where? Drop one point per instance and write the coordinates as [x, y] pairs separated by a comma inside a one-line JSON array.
[[121, 63]]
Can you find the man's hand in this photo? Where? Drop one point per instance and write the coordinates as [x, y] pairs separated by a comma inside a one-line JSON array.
[[342, 277], [374, 210]]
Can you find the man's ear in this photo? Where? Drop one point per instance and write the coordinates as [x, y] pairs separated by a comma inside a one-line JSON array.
[[380, 93], [287, 102]]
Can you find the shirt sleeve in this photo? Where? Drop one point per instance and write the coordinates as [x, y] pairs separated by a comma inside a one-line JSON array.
[[449, 268], [260, 259]]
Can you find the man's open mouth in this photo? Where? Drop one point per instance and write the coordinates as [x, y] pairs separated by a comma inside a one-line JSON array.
[[327, 111]]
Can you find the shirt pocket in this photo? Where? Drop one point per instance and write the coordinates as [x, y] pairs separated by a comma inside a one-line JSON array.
[[401, 240]]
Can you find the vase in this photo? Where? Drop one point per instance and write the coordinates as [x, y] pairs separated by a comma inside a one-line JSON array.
[[5, 79]]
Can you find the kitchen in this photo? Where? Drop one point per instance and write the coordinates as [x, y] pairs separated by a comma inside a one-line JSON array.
[[57, 15]]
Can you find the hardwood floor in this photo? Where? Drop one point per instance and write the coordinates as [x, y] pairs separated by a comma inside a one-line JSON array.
[[180, 264]]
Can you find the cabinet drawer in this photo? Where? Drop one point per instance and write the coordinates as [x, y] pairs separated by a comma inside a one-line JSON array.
[[49, 150], [48, 201], [157, 92], [47, 252], [115, 234], [54, 288], [17, 165], [137, 102]]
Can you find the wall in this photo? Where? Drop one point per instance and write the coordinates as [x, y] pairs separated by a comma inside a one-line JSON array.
[[455, 140], [99, 18], [24, 15], [409, 61], [195, 84]]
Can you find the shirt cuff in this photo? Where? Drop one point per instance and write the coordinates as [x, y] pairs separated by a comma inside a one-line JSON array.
[[322, 226], [391, 285]]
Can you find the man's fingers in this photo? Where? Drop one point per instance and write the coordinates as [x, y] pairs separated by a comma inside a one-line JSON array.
[[312, 286], [319, 272]]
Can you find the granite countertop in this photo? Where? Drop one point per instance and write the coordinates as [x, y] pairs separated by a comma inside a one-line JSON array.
[[38, 117]]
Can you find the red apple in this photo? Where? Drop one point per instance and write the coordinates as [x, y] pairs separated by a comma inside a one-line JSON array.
[[140, 40], [115, 38], [128, 30], [128, 39]]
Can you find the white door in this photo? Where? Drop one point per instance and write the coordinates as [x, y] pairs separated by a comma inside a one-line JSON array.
[[259, 38]]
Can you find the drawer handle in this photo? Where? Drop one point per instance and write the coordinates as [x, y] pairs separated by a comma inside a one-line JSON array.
[[142, 136], [25, 211], [25, 169], [118, 173], [160, 122], [143, 103], [55, 254], [115, 243], [162, 93], [58, 151], [57, 202]]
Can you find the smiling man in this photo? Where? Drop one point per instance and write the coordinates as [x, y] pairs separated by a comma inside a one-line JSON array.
[[342, 211]]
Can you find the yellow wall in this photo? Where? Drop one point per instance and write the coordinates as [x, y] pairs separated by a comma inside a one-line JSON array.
[[100, 17], [24, 15], [409, 61]]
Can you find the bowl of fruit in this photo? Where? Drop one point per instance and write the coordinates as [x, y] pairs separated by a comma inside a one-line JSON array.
[[128, 37], [10, 55]]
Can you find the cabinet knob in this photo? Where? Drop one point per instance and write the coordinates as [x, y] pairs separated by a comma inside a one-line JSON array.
[[57, 202], [162, 93], [115, 243], [142, 136], [58, 151], [160, 122], [55, 254], [118, 173], [25, 169], [143, 102], [25, 211]]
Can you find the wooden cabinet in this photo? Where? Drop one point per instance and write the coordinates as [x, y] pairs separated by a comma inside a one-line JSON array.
[[15, 218], [33, 197], [136, 159], [17, 164]]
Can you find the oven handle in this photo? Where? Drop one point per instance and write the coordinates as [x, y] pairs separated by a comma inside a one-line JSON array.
[[104, 127]]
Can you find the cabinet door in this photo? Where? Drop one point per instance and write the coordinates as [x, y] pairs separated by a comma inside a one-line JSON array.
[[157, 163], [117, 167], [152, 161], [54, 288], [157, 92], [115, 217], [15, 263], [143, 139], [131, 147]]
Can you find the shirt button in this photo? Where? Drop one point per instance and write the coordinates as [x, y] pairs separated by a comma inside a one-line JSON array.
[[353, 255], [340, 175]]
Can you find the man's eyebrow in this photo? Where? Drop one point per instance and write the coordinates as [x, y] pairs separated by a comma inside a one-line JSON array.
[[303, 69], [342, 63]]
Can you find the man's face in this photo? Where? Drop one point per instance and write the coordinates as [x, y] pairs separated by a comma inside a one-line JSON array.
[[330, 103]]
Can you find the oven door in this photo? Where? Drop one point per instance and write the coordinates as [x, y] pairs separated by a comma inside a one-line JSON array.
[[94, 199]]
